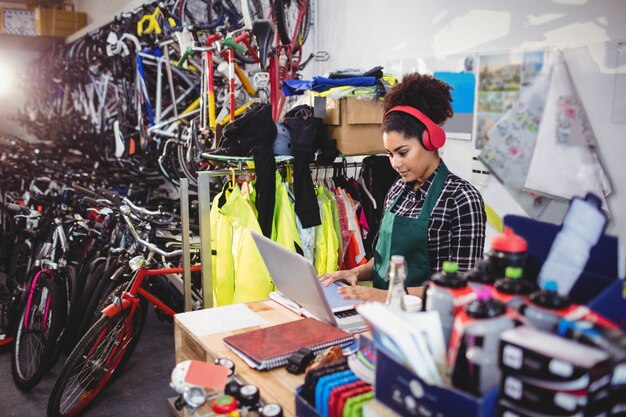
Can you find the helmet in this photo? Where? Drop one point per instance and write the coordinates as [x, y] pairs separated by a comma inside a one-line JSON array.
[[282, 144]]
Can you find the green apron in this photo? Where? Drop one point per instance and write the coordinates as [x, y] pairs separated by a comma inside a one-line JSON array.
[[401, 235]]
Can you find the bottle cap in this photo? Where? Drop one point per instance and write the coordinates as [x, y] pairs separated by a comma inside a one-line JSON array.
[[509, 242], [513, 272], [397, 259], [594, 200], [224, 404], [271, 410], [483, 294], [228, 363], [450, 267], [249, 395], [551, 286]]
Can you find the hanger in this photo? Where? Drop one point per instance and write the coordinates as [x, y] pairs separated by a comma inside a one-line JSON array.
[[232, 179]]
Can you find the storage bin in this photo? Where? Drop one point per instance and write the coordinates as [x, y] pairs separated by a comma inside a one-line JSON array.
[[408, 395]]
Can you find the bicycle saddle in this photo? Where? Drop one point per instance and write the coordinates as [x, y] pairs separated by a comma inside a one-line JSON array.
[[263, 31]]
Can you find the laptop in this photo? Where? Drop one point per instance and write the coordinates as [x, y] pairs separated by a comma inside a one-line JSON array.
[[299, 288]]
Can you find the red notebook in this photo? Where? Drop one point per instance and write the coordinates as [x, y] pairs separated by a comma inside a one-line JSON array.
[[270, 347]]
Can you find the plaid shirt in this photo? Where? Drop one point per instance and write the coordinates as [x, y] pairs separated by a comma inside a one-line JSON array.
[[456, 228]]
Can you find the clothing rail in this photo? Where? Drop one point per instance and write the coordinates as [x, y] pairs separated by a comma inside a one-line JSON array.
[[204, 210]]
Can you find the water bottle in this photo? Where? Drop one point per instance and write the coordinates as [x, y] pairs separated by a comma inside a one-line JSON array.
[[545, 307], [396, 275], [512, 289], [477, 277], [507, 249], [474, 343], [447, 293], [582, 227]]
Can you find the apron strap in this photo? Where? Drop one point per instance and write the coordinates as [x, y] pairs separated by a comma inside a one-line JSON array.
[[434, 191]]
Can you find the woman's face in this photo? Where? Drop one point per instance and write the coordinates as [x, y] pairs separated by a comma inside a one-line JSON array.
[[409, 158]]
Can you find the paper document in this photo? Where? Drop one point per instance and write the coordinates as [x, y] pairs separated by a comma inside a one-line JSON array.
[[220, 319]]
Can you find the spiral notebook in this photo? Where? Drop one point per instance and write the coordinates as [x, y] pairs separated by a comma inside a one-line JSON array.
[[270, 347]]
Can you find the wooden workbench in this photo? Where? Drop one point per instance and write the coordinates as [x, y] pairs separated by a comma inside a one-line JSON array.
[[276, 385]]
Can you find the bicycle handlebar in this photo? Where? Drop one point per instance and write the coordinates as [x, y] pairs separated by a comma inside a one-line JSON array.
[[126, 212]]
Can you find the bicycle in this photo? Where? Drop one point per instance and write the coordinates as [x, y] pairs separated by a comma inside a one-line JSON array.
[[108, 345]]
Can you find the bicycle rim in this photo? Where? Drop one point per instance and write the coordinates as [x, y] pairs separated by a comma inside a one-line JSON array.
[[286, 16], [93, 363], [36, 335], [197, 12]]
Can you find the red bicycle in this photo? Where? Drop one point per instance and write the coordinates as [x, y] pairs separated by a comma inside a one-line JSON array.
[[293, 21], [108, 345]]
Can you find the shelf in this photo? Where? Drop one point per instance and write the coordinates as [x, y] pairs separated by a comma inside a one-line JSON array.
[[29, 43]]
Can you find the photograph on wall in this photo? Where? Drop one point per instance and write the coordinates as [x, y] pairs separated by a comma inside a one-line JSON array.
[[501, 78]]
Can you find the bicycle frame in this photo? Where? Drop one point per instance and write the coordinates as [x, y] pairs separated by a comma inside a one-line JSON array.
[[130, 299], [284, 65]]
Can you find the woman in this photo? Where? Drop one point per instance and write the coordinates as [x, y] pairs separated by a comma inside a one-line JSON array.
[[431, 215]]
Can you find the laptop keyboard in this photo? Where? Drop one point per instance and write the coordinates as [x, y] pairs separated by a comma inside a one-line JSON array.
[[345, 313]]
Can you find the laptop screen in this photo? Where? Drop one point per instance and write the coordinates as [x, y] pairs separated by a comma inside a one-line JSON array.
[[295, 277]]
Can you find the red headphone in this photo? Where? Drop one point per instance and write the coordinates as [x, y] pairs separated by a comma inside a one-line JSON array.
[[433, 137]]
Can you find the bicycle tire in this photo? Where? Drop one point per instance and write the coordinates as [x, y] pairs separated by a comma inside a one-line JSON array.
[[98, 358], [285, 15], [28, 371], [90, 314], [197, 12]]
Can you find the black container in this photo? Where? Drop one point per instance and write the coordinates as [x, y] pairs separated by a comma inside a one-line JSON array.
[[507, 249]]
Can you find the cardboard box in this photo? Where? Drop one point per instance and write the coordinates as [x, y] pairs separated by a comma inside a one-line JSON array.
[[62, 21], [355, 124]]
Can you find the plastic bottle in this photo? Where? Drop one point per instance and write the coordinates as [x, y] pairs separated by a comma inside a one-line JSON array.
[[396, 276], [474, 343], [513, 289], [478, 277], [582, 227], [507, 249], [448, 293], [545, 307]]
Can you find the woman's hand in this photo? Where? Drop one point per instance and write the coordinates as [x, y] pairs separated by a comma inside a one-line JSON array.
[[360, 292], [347, 275]]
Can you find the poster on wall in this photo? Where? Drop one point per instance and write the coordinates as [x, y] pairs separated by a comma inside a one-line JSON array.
[[511, 140], [501, 79], [566, 141]]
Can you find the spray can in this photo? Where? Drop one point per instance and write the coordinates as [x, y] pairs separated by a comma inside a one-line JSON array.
[[474, 343], [513, 289], [507, 249], [448, 293]]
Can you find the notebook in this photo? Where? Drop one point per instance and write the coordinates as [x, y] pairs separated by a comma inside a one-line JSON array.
[[299, 288], [271, 347]]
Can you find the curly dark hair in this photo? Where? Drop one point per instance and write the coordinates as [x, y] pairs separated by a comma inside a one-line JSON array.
[[422, 91]]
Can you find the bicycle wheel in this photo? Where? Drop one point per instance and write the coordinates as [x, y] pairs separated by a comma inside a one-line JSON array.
[[196, 12], [98, 357], [90, 314], [37, 331], [286, 14]]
